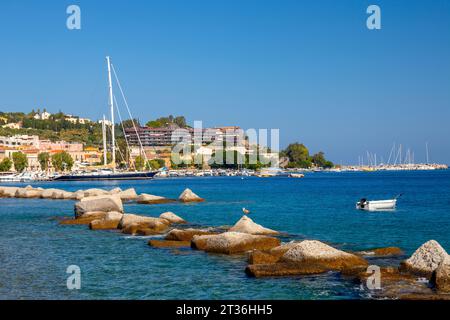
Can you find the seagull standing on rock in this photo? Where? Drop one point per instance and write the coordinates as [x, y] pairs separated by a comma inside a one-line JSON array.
[[245, 211]]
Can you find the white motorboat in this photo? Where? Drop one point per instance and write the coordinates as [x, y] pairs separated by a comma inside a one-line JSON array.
[[375, 205], [296, 175]]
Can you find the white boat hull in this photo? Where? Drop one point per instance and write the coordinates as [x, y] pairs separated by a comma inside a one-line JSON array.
[[377, 205]]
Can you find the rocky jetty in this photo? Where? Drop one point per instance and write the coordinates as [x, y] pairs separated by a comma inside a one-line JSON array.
[[135, 224], [128, 195], [233, 242], [441, 277], [86, 218], [109, 221], [188, 196], [8, 192], [106, 203], [172, 217], [308, 257], [145, 198], [168, 243], [270, 256], [187, 234], [246, 225], [425, 260]]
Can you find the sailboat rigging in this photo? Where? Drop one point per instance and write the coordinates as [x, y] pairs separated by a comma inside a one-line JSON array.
[[110, 174]]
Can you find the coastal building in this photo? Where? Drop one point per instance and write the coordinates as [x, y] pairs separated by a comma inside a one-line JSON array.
[[17, 125], [19, 141], [172, 134], [42, 116], [75, 119], [164, 136]]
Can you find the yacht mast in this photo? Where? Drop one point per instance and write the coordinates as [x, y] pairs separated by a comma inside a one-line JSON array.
[[105, 161], [111, 104]]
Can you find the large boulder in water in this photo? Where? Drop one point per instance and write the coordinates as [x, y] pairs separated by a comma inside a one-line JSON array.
[[187, 234], [94, 192], [49, 193], [441, 277], [172, 217], [188, 196], [115, 191], [309, 257], [145, 198], [233, 242], [100, 203], [132, 223], [28, 193], [246, 225], [270, 256], [86, 218], [109, 221], [128, 194], [425, 259], [8, 192]]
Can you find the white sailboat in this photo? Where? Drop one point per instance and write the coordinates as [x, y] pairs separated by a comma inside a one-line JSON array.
[[108, 173]]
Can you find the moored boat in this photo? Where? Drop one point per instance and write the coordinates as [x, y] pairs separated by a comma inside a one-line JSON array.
[[374, 205]]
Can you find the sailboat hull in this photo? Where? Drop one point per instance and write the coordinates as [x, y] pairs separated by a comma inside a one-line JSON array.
[[112, 176]]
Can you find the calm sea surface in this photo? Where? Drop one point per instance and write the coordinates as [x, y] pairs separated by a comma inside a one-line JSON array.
[[35, 251]]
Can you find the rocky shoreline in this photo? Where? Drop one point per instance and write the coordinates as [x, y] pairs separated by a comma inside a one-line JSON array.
[[425, 275]]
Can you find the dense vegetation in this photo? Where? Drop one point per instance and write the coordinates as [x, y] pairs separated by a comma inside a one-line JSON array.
[[180, 121], [298, 155]]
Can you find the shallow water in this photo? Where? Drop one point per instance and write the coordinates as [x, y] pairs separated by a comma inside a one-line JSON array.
[[35, 251]]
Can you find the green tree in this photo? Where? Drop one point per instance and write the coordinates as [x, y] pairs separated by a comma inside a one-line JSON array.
[[43, 159], [20, 161], [155, 164], [139, 163], [5, 165], [62, 161], [298, 155], [319, 159]]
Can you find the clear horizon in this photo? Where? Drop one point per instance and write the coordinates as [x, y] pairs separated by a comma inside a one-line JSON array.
[[311, 69]]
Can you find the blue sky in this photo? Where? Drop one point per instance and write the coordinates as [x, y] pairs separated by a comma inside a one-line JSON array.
[[310, 68]]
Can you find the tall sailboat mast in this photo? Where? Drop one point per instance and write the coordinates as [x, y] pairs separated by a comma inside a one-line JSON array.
[[111, 104], [105, 158]]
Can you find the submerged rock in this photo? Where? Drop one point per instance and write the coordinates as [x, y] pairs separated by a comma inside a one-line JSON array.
[[233, 242], [86, 218], [172, 217], [109, 221], [187, 234], [381, 252], [188, 196], [425, 259], [168, 243], [308, 257], [441, 277], [246, 225], [99, 203], [145, 198]]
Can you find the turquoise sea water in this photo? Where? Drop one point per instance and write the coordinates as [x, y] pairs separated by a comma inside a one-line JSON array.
[[35, 251]]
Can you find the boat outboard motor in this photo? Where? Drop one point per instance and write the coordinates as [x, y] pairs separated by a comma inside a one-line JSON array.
[[362, 203]]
